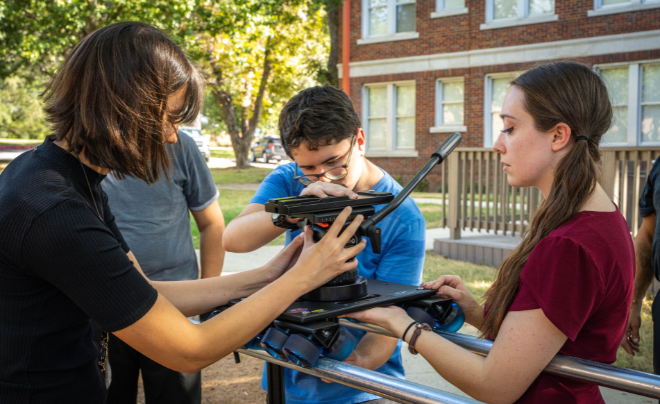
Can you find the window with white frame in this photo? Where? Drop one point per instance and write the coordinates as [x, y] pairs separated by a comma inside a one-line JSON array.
[[602, 7], [516, 12], [382, 18], [634, 91], [650, 103], [616, 80], [389, 119], [449, 103], [445, 8], [496, 88]]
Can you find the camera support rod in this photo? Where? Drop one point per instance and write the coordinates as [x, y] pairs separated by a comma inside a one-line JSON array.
[[369, 228]]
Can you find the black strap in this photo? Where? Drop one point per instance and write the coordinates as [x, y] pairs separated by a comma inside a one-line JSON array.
[[406, 331]]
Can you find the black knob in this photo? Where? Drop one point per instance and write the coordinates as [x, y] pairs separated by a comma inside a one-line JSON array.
[[343, 278]]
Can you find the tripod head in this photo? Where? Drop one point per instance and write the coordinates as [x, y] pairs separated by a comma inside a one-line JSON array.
[[320, 213]]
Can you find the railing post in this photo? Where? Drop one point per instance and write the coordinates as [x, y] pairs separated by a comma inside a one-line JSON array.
[[608, 164], [454, 197]]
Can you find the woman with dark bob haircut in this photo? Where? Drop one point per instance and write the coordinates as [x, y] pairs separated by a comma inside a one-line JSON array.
[[118, 98], [568, 286]]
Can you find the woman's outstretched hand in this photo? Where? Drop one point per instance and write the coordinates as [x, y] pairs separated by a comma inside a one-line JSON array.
[[322, 261], [453, 287], [285, 259]]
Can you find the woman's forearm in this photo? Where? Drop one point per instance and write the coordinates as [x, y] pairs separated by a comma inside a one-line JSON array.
[[203, 295]]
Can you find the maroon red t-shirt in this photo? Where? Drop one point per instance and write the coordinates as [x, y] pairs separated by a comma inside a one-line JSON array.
[[582, 277]]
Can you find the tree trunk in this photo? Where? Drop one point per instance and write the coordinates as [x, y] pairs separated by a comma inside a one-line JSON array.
[[332, 15], [241, 137]]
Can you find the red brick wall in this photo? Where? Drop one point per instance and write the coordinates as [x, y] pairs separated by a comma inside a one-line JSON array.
[[425, 142], [462, 33]]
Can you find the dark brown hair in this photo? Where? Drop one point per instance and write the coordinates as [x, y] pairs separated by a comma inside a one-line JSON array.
[[109, 98], [562, 92], [319, 116]]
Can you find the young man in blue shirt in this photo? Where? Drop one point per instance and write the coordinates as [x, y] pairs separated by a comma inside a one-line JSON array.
[[321, 132]]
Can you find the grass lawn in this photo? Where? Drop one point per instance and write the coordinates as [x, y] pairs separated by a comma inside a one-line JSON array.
[[252, 175], [223, 153]]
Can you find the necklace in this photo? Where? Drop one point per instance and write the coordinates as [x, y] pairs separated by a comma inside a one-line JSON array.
[[103, 352], [90, 187]]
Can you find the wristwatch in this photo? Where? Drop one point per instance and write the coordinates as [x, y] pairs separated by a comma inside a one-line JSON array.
[[280, 221]]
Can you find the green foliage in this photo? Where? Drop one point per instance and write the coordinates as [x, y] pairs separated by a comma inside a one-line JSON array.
[[21, 112], [423, 186]]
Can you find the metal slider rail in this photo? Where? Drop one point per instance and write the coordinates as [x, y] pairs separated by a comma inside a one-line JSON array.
[[614, 377], [370, 381]]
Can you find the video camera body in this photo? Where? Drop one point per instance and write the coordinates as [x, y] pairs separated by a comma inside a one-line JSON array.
[[309, 327]]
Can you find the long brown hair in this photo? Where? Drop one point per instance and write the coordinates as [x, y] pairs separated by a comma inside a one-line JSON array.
[[562, 92], [109, 98]]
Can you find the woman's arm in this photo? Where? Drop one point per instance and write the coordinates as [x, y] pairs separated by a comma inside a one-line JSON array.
[[167, 337], [525, 345]]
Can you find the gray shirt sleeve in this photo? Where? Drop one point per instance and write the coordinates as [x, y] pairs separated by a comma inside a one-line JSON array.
[[198, 187]]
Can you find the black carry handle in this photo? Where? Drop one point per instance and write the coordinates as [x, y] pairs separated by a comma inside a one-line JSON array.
[[369, 228]]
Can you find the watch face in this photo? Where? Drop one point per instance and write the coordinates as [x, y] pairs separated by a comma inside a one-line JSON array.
[[275, 216]]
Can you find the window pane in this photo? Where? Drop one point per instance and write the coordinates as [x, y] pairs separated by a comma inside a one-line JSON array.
[[405, 18], [497, 124], [405, 101], [405, 133], [650, 83], [377, 133], [505, 9], [651, 123], [499, 89], [610, 2], [618, 132], [452, 4], [452, 92], [540, 7], [378, 101], [452, 114], [378, 19], [377, 3], [616, 81]]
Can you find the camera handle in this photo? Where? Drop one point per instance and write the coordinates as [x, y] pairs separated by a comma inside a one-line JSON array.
[[369, 229]]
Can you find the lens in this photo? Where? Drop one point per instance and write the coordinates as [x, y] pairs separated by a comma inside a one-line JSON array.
[[307, 180], [336, 173]]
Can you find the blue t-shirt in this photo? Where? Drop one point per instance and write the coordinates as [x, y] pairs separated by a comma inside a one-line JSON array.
[[154, 219], [401, 261]]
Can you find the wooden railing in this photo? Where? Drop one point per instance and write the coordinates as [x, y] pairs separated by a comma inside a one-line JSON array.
[[479, 197]]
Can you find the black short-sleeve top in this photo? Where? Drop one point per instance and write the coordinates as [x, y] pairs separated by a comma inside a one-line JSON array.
[[62, 262]]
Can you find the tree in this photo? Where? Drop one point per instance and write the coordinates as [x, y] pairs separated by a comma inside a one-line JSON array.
[[254, 53], [21, 112], [260, 64]]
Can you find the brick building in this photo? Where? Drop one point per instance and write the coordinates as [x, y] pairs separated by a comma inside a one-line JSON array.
[[421, 70]]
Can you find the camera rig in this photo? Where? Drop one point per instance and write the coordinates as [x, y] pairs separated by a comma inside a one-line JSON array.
[[309, 327]]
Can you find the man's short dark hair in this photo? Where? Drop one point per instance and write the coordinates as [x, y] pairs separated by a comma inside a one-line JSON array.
[[319, 116], [109, 98]]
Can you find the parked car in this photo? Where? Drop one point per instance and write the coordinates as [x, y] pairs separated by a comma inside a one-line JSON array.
[[200, 139], [268, 148]]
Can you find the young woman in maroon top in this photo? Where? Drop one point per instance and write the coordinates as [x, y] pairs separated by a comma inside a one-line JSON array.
[[567, 287]]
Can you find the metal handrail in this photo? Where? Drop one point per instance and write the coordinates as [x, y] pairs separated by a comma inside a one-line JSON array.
[[614, 377], [385, 386]]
